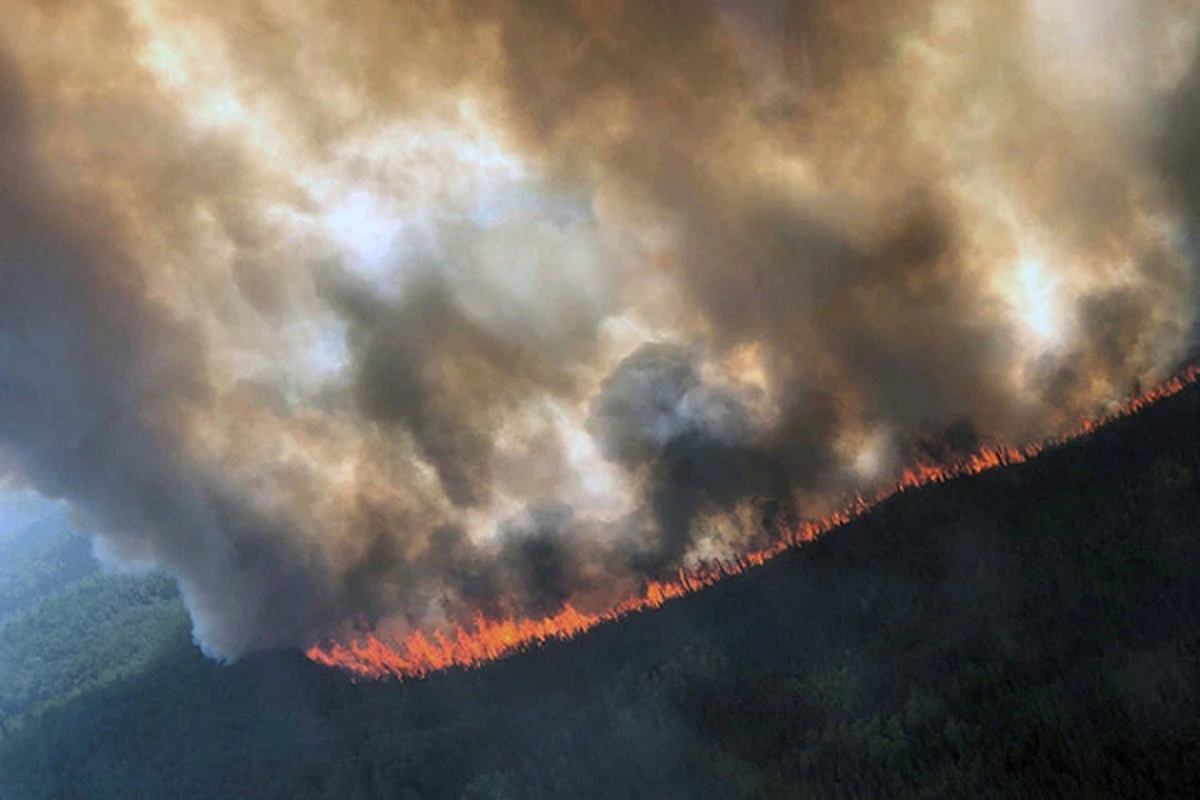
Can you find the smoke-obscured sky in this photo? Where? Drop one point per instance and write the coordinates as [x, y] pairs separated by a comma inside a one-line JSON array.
[[390, 313], [20, 509]]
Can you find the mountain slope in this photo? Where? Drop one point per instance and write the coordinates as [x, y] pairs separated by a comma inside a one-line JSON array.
[[1032, 631], [64, 625], [85, 635], [39, 559]]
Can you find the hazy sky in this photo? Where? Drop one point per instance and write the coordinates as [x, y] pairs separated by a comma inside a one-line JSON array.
[[20, 508]]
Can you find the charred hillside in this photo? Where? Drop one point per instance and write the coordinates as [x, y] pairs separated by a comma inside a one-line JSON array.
[[1031, 631]]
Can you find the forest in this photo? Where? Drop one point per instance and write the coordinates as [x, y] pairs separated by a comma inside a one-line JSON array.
[[1033, 631], [39, 559]]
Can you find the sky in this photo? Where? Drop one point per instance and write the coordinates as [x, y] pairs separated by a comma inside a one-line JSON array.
[[389, 315], [19, 509]]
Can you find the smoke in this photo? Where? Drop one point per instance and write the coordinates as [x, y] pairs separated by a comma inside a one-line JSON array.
[[393, 314]]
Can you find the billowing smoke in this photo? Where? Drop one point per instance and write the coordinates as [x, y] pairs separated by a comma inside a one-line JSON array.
[[392, 314]]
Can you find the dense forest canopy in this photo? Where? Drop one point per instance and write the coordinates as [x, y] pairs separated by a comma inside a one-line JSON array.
[[1032, 631]]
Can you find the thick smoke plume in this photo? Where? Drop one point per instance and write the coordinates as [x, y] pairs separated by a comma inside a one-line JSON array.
[[391, 314]]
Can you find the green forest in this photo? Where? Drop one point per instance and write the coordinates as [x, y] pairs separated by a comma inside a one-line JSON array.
[[87, 635], [38, 560], [1029, 632]]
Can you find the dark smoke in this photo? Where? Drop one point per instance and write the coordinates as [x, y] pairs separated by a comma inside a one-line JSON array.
[[90, 374], [695, 444], [402, 313]]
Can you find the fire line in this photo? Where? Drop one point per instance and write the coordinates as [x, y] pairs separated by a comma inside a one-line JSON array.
[[488, 640]]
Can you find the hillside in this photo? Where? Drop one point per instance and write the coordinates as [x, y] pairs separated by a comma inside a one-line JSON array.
[[1031, 631], [66, 626], [38, 560], [85, 635]]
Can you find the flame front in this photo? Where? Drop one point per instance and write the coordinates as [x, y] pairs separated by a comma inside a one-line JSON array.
[[370, 656]]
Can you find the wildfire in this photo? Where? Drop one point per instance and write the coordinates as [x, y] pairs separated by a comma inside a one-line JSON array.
[[487, 640]]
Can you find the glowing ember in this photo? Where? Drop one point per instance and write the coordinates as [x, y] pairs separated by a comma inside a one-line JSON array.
[[488, 640]]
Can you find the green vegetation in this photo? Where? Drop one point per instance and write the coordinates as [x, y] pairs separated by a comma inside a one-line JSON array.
[[39, 560], [66, 628], [1031, 632], [89, 634]]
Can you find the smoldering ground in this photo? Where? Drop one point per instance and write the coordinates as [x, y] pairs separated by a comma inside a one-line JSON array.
[[401, 313]]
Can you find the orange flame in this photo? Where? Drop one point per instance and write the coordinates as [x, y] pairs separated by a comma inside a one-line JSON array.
[[488, 640]]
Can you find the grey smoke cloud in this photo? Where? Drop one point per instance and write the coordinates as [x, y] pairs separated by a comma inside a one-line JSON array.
[[89, 374], [410, 312]]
